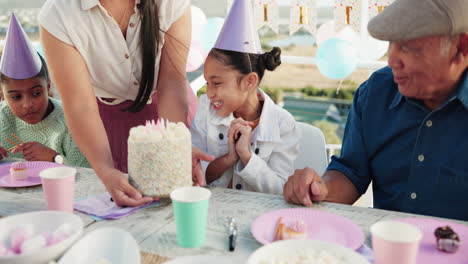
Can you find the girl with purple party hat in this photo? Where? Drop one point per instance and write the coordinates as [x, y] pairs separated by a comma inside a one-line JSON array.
[[255, 142], [32, 124]]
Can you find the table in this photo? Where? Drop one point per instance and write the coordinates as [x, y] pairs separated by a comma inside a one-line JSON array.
[[154, 228]]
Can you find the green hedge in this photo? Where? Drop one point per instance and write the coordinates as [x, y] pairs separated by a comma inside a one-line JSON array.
[[345, 94], [277, 94]]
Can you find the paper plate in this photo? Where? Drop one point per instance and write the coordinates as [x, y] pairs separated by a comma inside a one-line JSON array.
[[321, 225], [428, 253], [287, 251], [34, 167], [104, 245]]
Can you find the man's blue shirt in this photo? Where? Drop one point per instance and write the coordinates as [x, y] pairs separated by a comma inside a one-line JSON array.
[[416, 159]]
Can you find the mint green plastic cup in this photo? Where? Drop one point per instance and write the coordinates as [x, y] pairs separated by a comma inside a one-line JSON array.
[[191, 213]]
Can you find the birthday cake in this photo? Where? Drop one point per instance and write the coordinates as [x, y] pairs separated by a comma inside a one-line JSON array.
[[160, 157]]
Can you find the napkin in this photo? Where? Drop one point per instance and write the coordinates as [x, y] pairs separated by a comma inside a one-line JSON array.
[[366, 252], [102, 207]]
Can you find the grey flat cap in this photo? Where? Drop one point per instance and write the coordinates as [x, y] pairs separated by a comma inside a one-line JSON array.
[[411, 19]]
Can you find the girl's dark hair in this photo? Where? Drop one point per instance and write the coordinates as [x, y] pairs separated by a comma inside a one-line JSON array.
[[149, 36], [43, 73], [246, 63]]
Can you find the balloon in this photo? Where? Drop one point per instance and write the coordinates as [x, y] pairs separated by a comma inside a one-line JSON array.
[[336, 58], [40, 50], [370, 48], [347, 33], [325, 31], [196, 56], [210, 32], [198, 22]]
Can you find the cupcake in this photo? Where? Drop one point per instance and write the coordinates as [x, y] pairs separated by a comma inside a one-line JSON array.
[[18, 171], [297, 230], [446, 239]]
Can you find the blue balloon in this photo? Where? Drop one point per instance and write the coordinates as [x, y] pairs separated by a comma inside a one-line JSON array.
[[40, 50], [336, 58], [210, 32]]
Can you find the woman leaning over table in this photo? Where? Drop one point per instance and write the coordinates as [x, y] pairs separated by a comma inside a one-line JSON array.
[[116, 64]]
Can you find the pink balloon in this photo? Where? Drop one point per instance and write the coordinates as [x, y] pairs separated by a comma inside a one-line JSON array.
[[196, 56]]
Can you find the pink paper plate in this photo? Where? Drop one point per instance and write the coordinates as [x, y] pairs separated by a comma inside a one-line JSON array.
[[428, 253], [321, 225], [34, 167]]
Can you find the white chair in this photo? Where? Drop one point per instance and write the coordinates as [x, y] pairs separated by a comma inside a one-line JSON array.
[[312, 152]]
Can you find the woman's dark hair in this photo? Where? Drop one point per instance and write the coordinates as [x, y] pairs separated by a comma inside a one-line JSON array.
[[149, 36], [246, 63], [43, 73]]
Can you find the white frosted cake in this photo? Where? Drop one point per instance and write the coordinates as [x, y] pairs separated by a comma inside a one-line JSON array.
[[160, 157]]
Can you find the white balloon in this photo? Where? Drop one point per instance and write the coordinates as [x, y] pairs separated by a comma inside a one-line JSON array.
[[198, 22], [349, 35], [325, 31], [367, 47], [370, 48]]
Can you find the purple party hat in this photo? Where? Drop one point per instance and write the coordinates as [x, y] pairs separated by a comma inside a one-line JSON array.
[[19, 59], [239, 32]]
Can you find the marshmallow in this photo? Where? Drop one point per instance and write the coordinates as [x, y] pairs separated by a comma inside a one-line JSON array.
[[19, 235], [33, 244]]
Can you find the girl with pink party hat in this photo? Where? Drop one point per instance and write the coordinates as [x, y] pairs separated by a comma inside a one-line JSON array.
[[28, 116], [255, 142]]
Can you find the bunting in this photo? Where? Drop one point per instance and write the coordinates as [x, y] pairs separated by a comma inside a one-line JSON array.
[[377, 6], [347, 13], [303, 15], [266, 14]]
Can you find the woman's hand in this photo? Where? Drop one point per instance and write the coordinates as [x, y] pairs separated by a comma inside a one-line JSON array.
[[122, 192], [34, 151]]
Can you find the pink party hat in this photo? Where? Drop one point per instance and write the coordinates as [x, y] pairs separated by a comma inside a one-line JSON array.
[[239, 32], [19, 59]]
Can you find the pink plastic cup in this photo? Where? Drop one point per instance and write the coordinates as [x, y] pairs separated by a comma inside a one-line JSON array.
[[395, 242], [59, 188]]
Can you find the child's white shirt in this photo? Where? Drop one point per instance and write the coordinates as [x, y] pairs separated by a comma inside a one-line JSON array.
[[274, 144]]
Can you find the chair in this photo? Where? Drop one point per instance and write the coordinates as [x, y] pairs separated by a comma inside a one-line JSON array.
[[312, 152]]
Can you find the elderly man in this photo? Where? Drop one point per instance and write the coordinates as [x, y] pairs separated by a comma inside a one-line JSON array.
[[407, 131]]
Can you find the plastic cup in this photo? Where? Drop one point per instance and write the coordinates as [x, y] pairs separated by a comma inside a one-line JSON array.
[[59, 188], [191, 213], [395, 242]]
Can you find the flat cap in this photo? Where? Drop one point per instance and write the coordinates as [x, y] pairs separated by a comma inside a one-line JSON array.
[[411, 19]]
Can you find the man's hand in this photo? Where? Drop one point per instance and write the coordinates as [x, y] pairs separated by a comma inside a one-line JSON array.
[[34, 151], [305, 186], [197, 172]]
